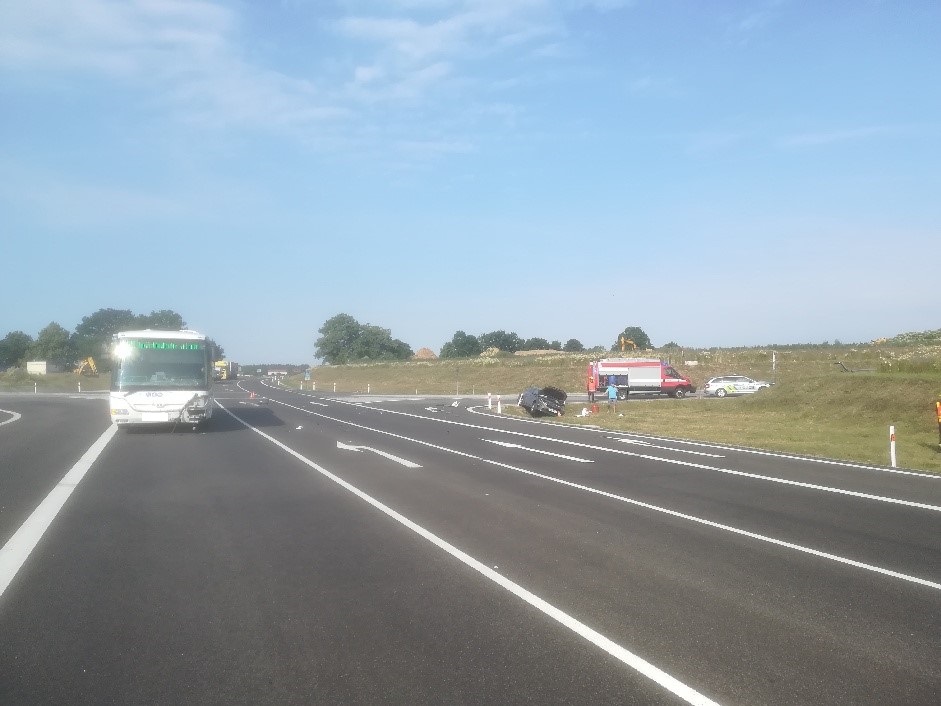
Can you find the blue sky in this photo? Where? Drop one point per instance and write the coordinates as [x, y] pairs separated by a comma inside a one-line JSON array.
[[720, 174]]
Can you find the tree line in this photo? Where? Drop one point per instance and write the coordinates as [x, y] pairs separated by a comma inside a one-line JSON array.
[[91, 337], [344, 340]]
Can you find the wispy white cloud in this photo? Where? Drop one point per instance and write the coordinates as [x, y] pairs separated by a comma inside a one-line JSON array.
[[195, 60]]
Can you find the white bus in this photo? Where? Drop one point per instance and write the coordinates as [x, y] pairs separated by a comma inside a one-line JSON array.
[[161, 377]]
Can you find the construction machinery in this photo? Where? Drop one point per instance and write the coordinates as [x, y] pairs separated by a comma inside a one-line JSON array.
[[87, 367]]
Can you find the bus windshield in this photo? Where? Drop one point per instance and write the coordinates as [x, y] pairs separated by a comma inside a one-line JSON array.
[[160, 365]]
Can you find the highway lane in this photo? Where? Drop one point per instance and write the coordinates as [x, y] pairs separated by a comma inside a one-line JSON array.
[[871, 610], [223, 567], [712, 488], [50, 434]]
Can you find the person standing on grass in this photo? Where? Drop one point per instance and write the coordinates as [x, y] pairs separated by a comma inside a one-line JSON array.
[[592, 386], [612, 393]]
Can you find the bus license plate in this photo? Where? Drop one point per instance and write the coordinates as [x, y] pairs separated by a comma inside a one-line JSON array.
[[155, 416]]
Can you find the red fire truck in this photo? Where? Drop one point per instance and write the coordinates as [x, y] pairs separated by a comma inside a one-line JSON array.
[[639, 375]]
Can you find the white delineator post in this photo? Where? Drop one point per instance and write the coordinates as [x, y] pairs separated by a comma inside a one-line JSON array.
[[499, 407], [892, 445], [489, 401]]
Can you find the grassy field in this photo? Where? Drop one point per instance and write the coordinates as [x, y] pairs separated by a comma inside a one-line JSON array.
[[20, 381], [814, 408]]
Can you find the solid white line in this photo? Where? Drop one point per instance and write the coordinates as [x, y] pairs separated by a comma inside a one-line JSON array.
[[638, 503], [789, 457], [12, 419], [741, 449], [20, 545], [627, 657], [538, 451]]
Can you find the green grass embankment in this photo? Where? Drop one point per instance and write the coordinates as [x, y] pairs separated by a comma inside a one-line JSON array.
[[813, 409]]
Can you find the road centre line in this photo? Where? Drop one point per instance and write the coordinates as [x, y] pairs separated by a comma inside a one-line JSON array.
[[624, 655], [677, 462], [18, 548], [12, 419], [637, 503]]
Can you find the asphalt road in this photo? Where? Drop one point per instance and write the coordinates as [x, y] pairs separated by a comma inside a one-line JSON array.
[[315, 549]]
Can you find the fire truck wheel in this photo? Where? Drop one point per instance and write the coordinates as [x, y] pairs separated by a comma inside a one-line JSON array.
[[679, 393]]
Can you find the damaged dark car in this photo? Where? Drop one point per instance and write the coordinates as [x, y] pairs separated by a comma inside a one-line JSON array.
[[543, 401]]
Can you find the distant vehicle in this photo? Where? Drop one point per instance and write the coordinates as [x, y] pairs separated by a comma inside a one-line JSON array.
[[639, 375], [225, 370], [543, 401], [160, 377], [733, 385]]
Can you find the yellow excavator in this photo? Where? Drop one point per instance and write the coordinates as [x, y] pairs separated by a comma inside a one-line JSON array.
[[87, 367]]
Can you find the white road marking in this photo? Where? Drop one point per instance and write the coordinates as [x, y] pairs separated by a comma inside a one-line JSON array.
[[431, 409], [405, 462], [320, 404], [647, 444], [14, 416], [624, 655], [638, 503], [509, 445], [676, 462], [20, 545]]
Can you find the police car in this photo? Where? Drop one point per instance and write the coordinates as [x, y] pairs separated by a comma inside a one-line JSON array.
[[733, 385]]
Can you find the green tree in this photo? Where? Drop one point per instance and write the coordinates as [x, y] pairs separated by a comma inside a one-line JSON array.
[[53, 344], [93, 334], [635, 334], [216, 352], [535, 344], [508, 342], [14, 348], [461, 345], [164, 319], [343, 339], [573, 345], [338, 338]]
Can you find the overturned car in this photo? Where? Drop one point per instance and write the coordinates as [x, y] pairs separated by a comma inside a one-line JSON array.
[[543, 401]]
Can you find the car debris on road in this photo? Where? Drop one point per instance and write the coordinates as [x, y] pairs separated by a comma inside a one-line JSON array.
[[543, 401]]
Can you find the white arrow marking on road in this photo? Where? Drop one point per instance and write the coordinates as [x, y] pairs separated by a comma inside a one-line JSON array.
[[508, 445], [638, 442], [384, 454], [455, 403]]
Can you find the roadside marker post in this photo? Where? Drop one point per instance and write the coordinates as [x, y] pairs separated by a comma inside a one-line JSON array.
[[490, 405], [892, 445], [937, 409], [499, 407]]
